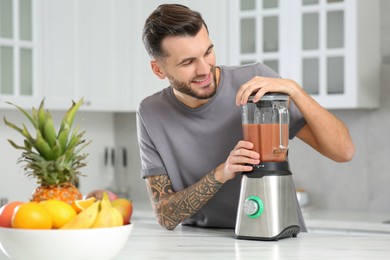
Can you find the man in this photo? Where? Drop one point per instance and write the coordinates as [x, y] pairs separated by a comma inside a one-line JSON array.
[[190, 133]]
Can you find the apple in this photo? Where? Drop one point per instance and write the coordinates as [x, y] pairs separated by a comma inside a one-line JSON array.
[[98, 194], [6, 213], [125, 207]]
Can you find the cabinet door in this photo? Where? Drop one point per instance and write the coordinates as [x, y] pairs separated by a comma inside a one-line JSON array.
[[326, 50], [58, 50], [18, 53], [86, 52], [257, 33], [321, 44]]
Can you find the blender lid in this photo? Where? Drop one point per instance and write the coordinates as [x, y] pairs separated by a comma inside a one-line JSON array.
[[271, 96]]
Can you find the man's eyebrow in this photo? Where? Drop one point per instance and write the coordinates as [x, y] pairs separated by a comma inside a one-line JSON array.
[[192, 58]]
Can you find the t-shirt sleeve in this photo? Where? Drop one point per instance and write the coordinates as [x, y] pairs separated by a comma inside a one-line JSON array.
[[151, 162]]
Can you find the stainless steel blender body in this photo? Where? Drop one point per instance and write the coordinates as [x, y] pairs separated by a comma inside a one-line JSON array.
[[267, 207]]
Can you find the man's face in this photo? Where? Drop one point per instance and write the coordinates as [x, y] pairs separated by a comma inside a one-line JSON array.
[[189, 67]]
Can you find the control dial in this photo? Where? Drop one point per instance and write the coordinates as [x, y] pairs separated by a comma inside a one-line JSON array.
[[253, 207]]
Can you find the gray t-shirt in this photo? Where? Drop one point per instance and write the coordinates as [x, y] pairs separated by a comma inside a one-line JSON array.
[[187, 143]]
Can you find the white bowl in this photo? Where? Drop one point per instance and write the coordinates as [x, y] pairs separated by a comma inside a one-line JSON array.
[[94, 243]]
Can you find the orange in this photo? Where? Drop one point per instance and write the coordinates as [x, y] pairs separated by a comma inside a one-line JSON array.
[[6, 213], [31, 215], [80, 205], [60, 211]]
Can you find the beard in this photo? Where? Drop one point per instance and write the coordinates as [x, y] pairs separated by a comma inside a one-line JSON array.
[[185, 87]]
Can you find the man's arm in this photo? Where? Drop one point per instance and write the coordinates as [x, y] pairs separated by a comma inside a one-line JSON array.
[[170, 207]]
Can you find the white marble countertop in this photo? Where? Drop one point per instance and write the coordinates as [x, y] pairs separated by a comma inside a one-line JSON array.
[[349, 221], [150, 241]]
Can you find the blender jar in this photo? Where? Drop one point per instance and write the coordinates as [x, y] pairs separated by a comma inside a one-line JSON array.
[[266, 125]]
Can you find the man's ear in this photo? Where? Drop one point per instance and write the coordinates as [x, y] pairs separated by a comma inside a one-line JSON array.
[[157, 69]]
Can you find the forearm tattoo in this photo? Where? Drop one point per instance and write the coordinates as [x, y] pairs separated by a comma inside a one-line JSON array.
[[174, 207]]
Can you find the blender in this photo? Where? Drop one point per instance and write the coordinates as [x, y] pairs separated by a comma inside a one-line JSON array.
[[267, 207]]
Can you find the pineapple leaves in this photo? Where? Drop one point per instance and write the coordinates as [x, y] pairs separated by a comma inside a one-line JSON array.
[[63, 137], [13, 126], [49, 132], [32, 120], [43, 147], [41, 117], [67, 121], [49, 157], [16, 146]]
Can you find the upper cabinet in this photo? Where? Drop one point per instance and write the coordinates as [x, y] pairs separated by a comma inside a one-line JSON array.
[[67, 49], [18, 52], [330, 47], [86, 53]]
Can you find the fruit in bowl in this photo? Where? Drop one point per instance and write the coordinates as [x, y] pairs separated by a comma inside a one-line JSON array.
[[125, 207], [98, 194], [6, 213], [64, 244], [52, 157], [96, 232]]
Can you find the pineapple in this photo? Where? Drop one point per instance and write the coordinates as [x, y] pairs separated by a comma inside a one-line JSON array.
[[52, 158]]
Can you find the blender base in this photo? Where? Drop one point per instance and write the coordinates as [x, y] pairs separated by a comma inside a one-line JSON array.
[[268, 209], [292, 231]]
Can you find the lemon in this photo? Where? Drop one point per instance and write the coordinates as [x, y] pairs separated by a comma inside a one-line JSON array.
[[31, 215], [60, 211]]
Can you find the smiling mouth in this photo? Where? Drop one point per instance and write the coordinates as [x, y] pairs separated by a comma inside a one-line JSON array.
[[204, 81]]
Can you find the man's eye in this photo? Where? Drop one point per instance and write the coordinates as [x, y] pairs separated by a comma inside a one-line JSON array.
[[187, 63]]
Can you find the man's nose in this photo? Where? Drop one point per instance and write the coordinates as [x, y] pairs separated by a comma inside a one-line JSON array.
[[203, 67]]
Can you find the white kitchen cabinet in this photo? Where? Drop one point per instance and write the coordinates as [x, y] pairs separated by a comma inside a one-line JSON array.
[[93, 49], [77, 49], [330, 47], [86, 50], [18, 53]]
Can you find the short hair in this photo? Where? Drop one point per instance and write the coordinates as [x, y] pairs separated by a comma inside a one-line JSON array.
[[169, 20]]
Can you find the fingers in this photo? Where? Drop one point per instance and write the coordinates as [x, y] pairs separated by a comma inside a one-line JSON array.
[[262, 85], [242, 157], [256, 84]]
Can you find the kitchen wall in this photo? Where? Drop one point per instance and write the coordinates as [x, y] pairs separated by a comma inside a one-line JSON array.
[[361, 185]]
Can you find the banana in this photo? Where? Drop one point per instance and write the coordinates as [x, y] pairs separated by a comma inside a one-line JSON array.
[[118, 217], [108, 216], [85, 219]]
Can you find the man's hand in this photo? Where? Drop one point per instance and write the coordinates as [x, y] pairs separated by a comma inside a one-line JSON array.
[[240, 160], [261, 85]]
